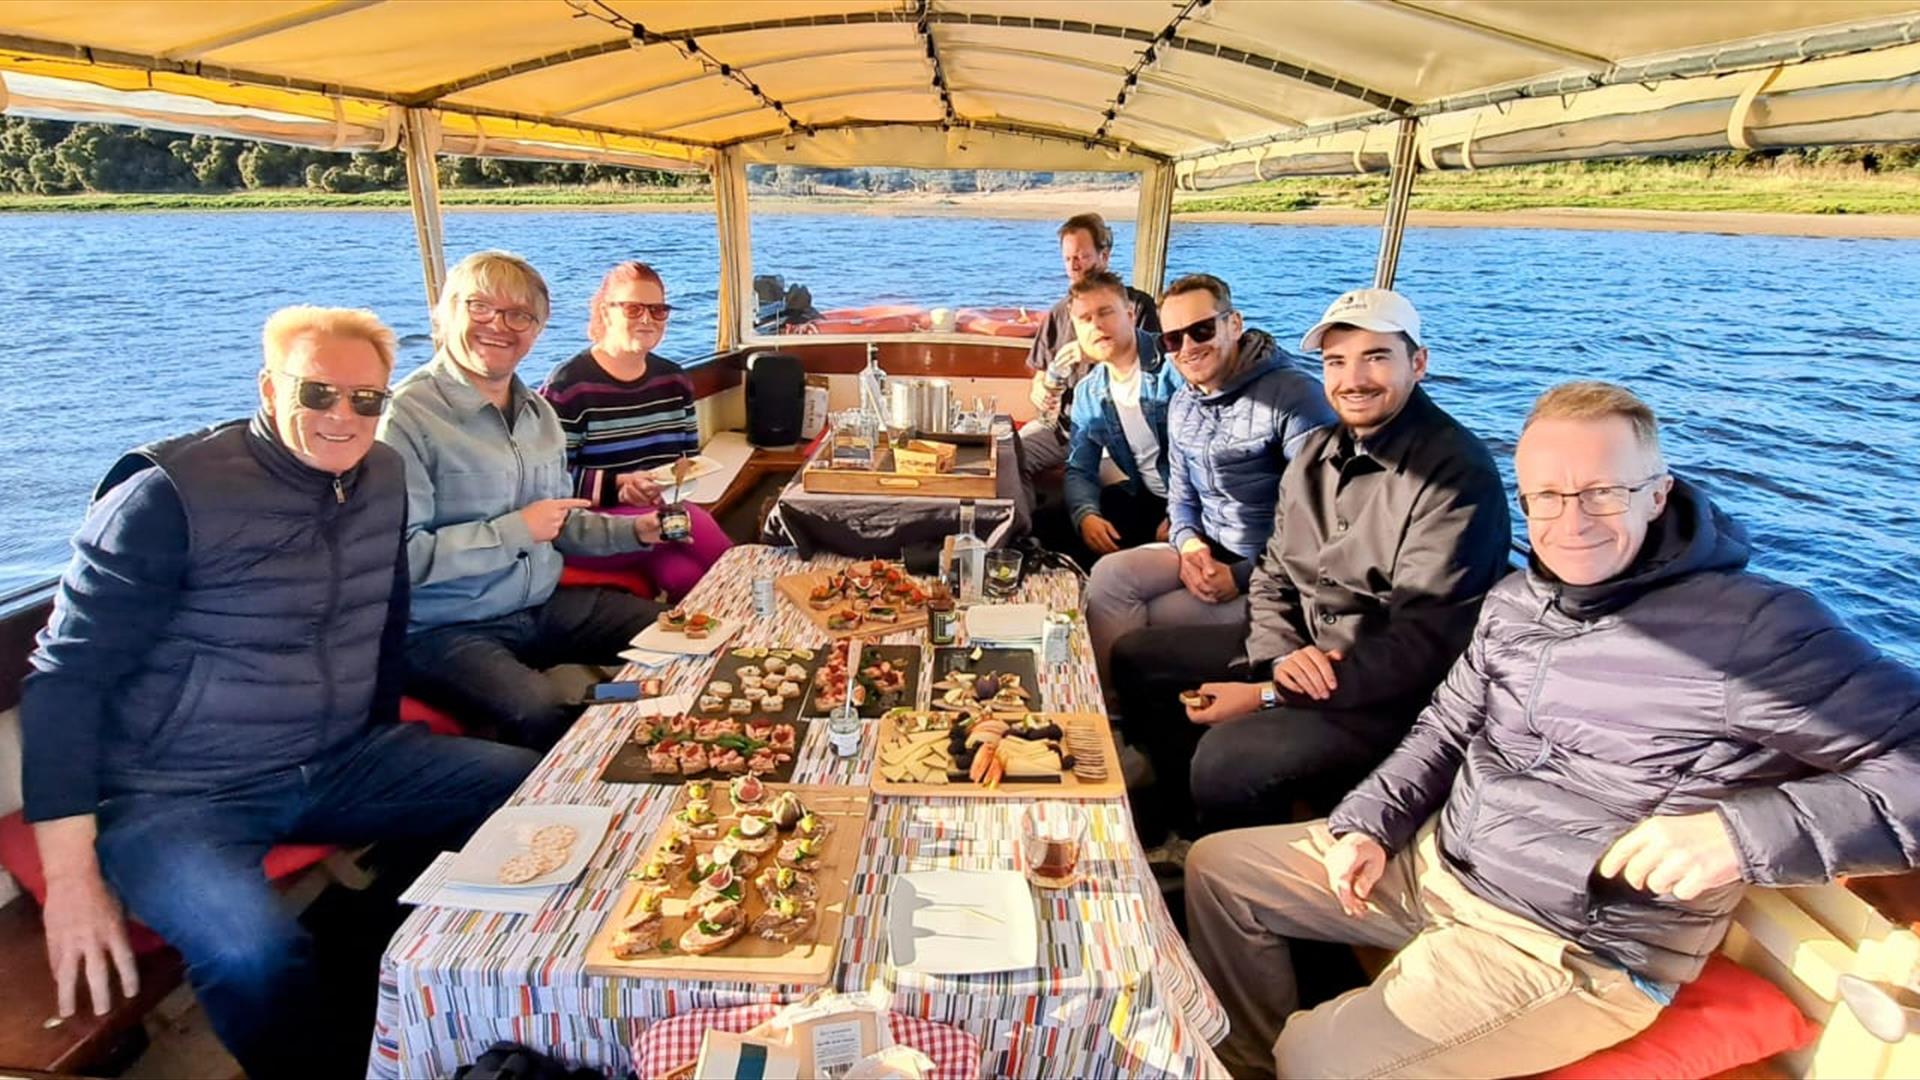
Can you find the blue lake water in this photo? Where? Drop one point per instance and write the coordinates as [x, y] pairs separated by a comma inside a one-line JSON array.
[[1786, 370]]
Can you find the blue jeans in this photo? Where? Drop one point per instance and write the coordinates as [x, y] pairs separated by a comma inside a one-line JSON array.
[[189, 867]]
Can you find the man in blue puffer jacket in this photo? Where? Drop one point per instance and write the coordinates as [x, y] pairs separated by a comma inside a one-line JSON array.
[[221, 673], [1639, 728], [1245, 409]]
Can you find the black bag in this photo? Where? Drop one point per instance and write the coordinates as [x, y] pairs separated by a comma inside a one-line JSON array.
[[511, 1061]]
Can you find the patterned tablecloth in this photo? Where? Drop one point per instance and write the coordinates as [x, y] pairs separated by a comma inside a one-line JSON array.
[[1117, 994]]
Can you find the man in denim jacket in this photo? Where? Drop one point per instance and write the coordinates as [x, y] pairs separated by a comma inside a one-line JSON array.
[[1120, 411]]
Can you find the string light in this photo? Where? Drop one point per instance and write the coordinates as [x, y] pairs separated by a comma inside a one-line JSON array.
[[1144, 60], [689, 48]]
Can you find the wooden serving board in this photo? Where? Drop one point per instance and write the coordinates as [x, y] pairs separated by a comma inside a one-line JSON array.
[[975, 475], [748, 958], [1069, 786], [797, 587]]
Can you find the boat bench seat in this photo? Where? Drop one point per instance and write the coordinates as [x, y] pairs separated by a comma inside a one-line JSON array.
[[29, 1037], [1725, 996]]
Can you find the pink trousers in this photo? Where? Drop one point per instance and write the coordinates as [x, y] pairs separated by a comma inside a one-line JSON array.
[[676, 568]]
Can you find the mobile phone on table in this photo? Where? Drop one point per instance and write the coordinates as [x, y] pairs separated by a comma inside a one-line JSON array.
[[615, 691]]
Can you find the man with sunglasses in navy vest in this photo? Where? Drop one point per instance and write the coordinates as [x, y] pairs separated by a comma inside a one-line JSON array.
[[221, 673]]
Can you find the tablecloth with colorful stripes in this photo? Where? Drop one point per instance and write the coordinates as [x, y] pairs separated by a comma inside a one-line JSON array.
[[1117, 993]]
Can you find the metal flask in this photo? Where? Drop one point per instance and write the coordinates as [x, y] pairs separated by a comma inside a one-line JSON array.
[[936, 406], [903, 405]]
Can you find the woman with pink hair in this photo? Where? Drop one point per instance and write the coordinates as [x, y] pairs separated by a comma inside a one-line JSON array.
[[627, 410]]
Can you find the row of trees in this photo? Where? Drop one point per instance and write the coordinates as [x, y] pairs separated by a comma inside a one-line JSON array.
[[46, 157]]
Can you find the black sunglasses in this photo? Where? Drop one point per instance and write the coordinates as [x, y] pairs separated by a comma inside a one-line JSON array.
[[1201, 333], [321, 396]]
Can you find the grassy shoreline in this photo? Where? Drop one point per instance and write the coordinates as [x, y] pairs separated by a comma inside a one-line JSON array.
[[1653, 195]]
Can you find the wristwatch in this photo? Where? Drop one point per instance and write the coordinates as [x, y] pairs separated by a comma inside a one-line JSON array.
[[1269, 696]]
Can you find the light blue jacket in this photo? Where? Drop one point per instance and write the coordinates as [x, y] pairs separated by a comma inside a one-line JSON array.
[[1230, 447], [1096, 427], [469, 473]]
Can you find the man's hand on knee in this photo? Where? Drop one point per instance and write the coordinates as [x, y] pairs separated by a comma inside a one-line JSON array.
[[1354, 866], [1221, 701]]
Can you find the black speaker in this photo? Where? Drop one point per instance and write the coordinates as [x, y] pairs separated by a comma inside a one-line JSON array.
[[776, 398]]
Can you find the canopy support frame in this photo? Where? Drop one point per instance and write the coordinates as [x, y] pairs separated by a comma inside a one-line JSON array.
[[1399, 197], [733, 218], [1152, 223], [423, 198]]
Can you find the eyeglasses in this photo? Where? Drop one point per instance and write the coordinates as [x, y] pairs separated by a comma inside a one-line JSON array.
[[518, 320], [1201, 333], [321, 396], [1606, 500], [633, 309]]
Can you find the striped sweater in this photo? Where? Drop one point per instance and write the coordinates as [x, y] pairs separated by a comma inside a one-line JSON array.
[[615, 426]]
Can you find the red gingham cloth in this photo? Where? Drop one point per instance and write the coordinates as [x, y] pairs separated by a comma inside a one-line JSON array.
[[671, 1043]]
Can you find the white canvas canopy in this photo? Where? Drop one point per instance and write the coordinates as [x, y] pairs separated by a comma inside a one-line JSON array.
[[1226, 89], [1193, 93]]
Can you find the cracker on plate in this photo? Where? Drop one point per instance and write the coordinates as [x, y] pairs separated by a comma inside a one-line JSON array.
[[521, 868]]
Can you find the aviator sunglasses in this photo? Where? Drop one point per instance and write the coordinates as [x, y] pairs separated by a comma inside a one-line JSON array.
[[633, 309], [1201, 333], [320, 396]]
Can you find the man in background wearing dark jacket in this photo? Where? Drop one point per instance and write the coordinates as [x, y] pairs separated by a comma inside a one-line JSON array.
[[1086, 244], [1639, 728], [1391, 527], [222, 673]]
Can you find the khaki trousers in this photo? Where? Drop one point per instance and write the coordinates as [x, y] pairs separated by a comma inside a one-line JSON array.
[[1473, 992]]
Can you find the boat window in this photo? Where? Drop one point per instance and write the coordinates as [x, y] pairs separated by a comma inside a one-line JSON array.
[[1781, 366], [902, 251], [104, 360]]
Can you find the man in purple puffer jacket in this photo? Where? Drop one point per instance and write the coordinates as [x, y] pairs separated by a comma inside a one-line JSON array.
[[1639, 729]]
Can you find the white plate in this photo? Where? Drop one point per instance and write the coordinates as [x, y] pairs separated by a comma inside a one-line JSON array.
[[698, 465], [656, 638], [508, 832], [1006, 622], [962, 922]]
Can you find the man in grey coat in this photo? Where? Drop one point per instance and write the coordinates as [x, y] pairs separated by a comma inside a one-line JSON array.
[[491, 513], [1639, 728]]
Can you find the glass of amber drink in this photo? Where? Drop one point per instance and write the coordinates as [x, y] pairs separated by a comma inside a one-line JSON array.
[[1052, 836]]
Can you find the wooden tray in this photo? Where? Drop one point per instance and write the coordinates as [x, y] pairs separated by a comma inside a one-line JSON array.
[[1068, 787], [797, 587], [904, 657], [975, 475], [750, 959]]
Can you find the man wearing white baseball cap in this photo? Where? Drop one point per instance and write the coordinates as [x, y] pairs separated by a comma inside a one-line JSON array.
[[1391, 527]]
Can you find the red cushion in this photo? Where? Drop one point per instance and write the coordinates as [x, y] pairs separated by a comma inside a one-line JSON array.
[[20, 856], [415, 711], [1726, 1018], [632, 581]]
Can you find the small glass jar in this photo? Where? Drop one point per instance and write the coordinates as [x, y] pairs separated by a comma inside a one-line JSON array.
[[843, 730], [676, 525]]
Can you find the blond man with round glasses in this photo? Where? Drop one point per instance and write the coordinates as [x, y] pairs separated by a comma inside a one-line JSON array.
[[491, 511]]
